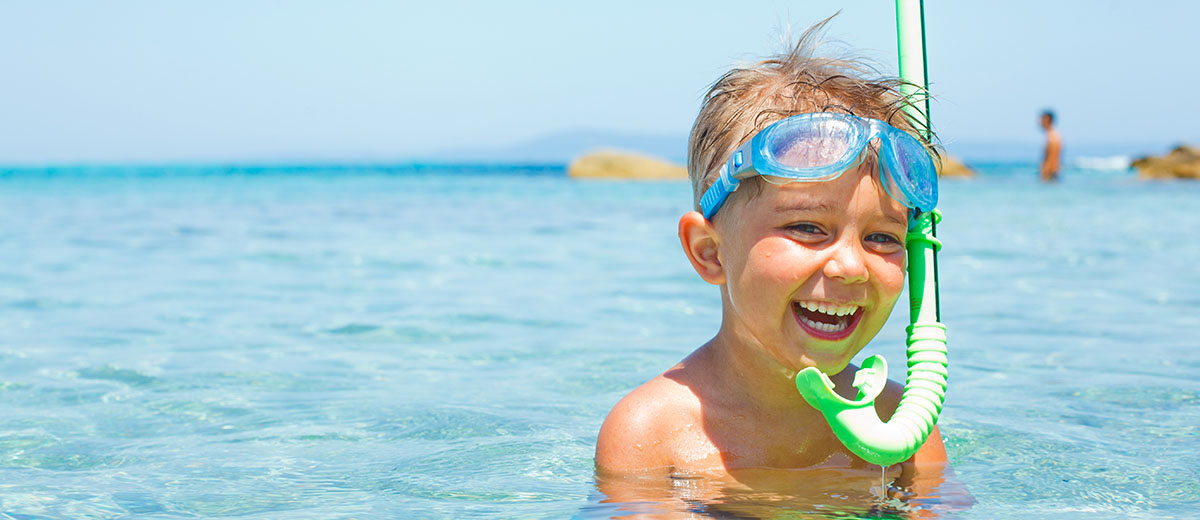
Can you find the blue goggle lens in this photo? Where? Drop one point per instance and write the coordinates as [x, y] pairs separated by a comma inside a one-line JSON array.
[[910, 173], [805, 144]]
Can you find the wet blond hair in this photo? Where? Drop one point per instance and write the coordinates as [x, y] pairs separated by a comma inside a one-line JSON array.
[[746, 100]]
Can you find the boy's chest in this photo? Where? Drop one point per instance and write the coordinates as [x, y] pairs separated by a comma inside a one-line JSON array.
[[738, 442]]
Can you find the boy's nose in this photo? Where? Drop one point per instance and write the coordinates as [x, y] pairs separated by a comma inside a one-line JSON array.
[[847, 264]]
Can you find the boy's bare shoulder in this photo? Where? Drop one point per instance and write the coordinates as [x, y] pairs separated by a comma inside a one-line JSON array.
[[641, 431]]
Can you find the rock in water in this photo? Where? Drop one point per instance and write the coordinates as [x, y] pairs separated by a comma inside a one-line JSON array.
[[613, 164], [951, 167], [1182, 163]]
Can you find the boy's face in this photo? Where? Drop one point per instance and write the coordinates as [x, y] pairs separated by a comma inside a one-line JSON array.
[[813, 268]]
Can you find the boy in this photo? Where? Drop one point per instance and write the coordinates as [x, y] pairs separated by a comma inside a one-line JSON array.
[[808, 271]]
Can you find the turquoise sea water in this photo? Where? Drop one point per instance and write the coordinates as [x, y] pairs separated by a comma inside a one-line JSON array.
[[424, 342]]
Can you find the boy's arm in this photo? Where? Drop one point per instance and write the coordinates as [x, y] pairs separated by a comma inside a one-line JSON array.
[[933, 452]]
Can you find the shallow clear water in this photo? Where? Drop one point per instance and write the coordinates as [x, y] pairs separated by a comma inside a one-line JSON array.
[[444, 343]]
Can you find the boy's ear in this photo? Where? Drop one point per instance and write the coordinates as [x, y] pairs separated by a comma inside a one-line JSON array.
[[700, 244]]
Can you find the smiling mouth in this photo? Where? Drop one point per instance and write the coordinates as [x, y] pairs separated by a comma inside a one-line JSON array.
[[824, 320]]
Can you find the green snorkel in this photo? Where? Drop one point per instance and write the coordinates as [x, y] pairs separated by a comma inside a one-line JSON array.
[[856, 423]]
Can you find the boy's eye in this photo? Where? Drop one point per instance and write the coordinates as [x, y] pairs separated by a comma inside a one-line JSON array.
[[885, 242], [806, 228]]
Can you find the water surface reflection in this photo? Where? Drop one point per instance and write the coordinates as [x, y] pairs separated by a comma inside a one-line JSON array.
[[828, 491]]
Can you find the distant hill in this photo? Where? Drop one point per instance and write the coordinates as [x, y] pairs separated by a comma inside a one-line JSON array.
[[562, 147]]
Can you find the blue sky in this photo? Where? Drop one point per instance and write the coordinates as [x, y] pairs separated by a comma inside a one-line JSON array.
[[149, 81]]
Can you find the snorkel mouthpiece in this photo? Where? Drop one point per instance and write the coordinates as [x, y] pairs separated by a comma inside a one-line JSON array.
[[855, 422]]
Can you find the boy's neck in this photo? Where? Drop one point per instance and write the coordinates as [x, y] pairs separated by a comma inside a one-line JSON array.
[[747, 374]]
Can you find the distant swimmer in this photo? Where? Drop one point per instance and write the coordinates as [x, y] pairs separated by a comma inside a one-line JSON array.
[[1050, 160]]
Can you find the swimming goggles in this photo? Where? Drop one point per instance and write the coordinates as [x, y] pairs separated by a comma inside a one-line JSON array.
[[819, 147]]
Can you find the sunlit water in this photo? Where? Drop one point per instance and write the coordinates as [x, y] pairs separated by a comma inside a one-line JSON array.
[[445, 343]]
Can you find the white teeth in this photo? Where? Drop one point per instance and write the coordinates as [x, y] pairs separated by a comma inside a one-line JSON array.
[[831, 309], [824, 327]]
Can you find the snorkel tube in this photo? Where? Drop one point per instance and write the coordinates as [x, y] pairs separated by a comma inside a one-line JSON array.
[[855, 422]]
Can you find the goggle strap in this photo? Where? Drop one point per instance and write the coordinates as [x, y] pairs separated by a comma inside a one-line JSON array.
[[716, 194]]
